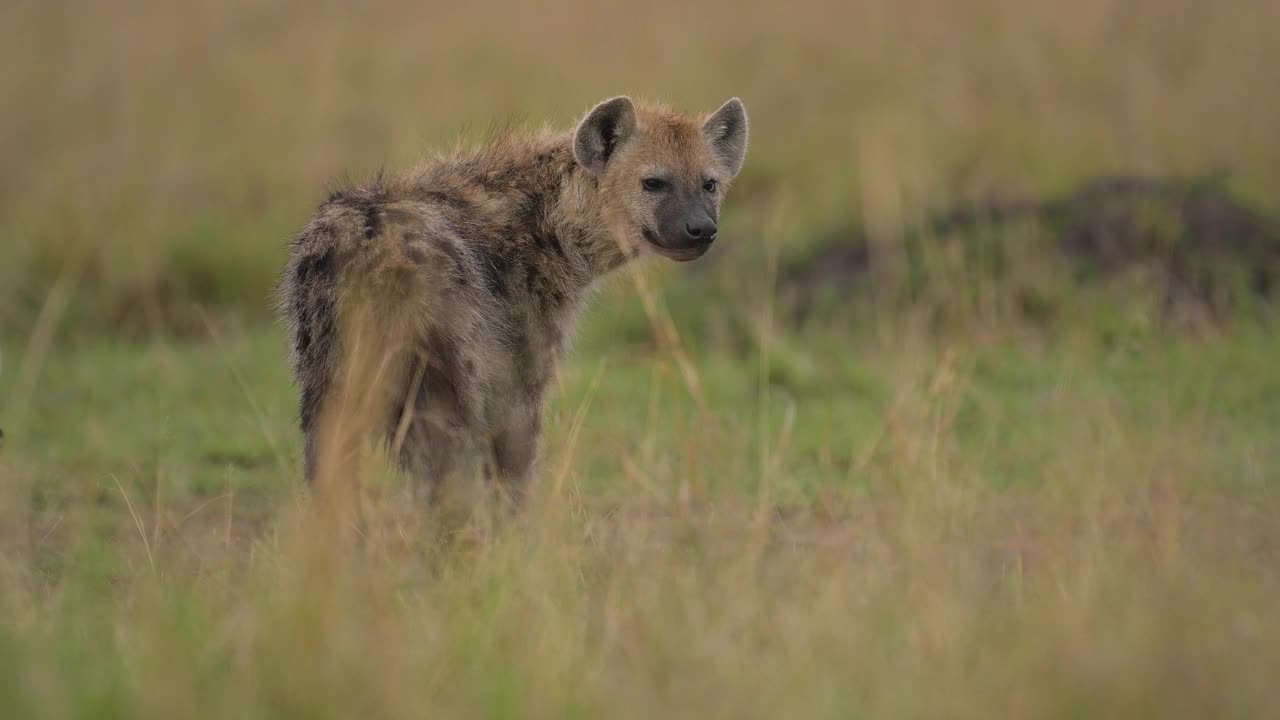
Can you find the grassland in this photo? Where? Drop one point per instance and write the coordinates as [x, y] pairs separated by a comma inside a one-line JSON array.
[[926, 508]]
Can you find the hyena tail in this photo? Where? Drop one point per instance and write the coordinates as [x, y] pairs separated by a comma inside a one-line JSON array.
[[351, 297]]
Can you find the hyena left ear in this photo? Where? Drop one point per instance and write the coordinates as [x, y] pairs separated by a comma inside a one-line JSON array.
[[607, 126], [726, 130]]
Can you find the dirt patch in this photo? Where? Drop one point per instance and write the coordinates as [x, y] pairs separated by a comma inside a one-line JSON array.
[[1203, 248]]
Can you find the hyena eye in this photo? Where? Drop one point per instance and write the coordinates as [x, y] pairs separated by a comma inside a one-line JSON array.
[[654, 184], [709, 186]]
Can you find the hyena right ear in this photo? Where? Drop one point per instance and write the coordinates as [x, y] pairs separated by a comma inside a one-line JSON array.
[[600, 133], [727, 131]]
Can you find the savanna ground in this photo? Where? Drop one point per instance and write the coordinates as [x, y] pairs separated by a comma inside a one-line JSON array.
[[927, 496]]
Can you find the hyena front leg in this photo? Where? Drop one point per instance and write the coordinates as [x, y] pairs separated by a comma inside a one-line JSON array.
[[430, 455], [432, 428]]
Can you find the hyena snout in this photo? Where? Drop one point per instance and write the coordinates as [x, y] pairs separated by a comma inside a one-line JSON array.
[[684, 234], [700, 231], [689, 237]]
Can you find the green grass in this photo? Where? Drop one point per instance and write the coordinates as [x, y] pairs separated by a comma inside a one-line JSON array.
[[932, 503], [934, 528]]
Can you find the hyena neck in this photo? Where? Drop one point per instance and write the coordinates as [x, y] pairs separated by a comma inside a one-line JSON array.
[[582, 221]]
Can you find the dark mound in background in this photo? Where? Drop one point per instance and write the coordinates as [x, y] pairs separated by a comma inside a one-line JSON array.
[[1202, 251]]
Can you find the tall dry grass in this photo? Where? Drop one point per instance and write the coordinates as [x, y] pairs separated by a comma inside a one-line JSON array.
[[1122, 584]]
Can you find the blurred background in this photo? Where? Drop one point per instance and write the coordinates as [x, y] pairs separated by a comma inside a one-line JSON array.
[[972, 411], [160, 155]]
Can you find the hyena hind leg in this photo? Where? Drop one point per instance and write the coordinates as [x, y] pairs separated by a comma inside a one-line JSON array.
[[515, 451]]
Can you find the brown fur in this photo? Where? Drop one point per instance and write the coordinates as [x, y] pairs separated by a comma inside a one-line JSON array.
[[463, 278]]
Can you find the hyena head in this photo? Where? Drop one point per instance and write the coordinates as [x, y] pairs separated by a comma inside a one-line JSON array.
[[662, 174]]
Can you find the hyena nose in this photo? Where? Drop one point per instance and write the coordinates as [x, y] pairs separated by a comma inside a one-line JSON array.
[[704, 231]]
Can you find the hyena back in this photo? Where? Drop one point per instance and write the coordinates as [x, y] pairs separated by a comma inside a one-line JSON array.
[[459, 283]]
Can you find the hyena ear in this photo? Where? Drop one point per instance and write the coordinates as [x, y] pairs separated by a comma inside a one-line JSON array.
[[607, 126], [726, 130]]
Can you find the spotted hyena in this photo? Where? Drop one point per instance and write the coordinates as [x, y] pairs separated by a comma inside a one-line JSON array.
[[459, 282]]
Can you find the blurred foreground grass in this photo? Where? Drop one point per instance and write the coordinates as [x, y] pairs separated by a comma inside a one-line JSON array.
[[942, 507], [960, 529]]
